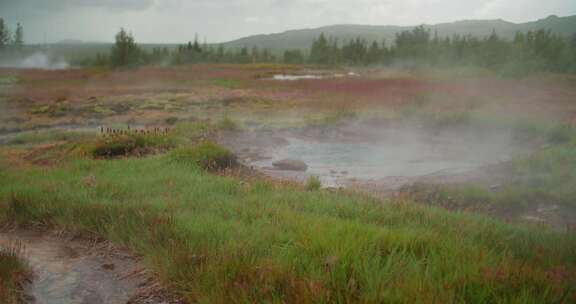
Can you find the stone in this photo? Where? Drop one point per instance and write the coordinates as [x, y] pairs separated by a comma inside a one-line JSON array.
[[290, 165]]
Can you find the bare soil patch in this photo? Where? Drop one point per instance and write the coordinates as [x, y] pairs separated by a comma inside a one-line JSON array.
[[72, 268]]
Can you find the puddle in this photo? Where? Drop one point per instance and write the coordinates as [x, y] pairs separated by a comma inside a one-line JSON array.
[[72, 272]]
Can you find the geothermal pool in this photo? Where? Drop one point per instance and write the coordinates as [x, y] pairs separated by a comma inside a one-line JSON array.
[[391, 154]]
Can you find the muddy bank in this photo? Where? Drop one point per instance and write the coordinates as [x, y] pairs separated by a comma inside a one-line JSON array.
[[70, 269]]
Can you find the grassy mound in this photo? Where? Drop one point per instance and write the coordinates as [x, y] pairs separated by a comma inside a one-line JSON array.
[[130, 144], [206, 155], [219, 240]]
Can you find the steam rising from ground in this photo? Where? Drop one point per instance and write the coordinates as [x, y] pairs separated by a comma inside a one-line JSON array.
[[36, 61], [382, 152]]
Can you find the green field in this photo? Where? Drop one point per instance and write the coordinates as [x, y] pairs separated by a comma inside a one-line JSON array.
[[219, 239]]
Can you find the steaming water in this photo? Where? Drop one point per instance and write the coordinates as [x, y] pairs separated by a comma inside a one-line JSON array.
[[392, 157], [288, 77], [37, 61], [296, 77]]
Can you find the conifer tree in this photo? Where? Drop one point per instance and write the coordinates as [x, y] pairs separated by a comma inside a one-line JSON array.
[[19, 37], [5, 35], [125, 52]]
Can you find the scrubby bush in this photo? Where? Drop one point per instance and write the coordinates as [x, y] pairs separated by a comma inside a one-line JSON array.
[[129, 144], [206, 155], [313, 183]]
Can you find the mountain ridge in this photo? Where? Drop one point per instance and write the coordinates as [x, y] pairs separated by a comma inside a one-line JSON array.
[[302, 38]]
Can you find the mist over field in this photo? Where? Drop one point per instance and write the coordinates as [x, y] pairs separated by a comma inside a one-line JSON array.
[[170, 151], [37, 60]]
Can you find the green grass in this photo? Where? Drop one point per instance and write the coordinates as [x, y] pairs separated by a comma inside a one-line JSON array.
[[313, 183], [228, 83], [13, 271], [216, 239], [545, 177], [7, 80], [206, 155], [549, 174], [127, 144]]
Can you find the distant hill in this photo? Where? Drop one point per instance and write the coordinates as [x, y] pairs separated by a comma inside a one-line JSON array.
[[303, 38]]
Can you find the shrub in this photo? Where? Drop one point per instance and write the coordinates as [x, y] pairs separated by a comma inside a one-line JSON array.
[[206, 155], [313, 183], [130, 144]]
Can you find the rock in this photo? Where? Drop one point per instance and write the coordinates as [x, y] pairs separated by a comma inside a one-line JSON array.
[[108, 266], [290, 165]]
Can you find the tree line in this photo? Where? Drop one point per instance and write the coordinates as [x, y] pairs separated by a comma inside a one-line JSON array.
[[539, 50], [10, 40], [532, 51], [126, 53]]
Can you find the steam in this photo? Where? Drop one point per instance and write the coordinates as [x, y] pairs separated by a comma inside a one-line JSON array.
[[383, 152], [36, 61]]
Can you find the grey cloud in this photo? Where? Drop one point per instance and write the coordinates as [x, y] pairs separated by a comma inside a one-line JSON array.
[[52, 5], [221, 20]]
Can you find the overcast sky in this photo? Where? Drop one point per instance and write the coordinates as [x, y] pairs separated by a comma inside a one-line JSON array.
[[223, 20]]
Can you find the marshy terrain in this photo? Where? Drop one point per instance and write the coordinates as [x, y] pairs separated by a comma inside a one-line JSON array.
[[289, 184]]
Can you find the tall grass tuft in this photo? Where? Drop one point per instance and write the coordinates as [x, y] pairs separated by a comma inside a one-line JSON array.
[[14, 272], [313, 183], [206, 155]]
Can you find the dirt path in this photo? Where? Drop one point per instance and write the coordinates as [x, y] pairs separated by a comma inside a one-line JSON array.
[[72, 270]]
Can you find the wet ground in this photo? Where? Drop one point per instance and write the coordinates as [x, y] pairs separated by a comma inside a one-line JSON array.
[[73, 270]]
